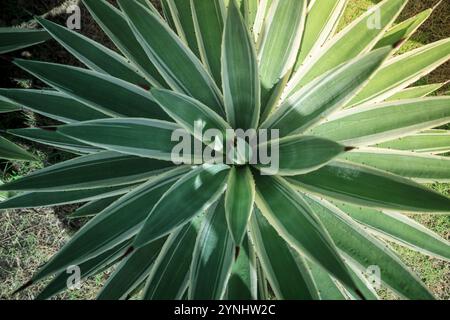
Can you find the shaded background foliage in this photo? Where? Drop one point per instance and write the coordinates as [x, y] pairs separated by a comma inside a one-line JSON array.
[[28, 238]]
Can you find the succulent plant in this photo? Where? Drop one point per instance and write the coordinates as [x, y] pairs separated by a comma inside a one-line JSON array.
[[355, 147]]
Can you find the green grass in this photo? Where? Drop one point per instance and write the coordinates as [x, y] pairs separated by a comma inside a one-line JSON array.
[[28, 238]]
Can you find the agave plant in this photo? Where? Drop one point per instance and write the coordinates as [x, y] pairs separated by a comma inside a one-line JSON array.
[[355, 147]]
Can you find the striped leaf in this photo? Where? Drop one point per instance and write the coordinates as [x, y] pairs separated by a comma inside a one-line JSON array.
[[191, 195], [129, 136], [401, 32], [6, 105], [368, 251], [177, 64], [327, 287], [112, 96], [53, 104], [286, 275], [362, 126], [280, 42], [239, 199], [299, 155], [54, 139], [117, 223], [93, 54], [192, 115], [323, 96], [400, 229], [249, 10], [208, 18], [402, 71], [357, 38], [11, 151], [168, 278], [92, 208], [92, 171], [12, 39], [131, 272], [241, 85], [321, 23], [52, 198], [370, 187], [416, 92], [87, 269], [243, 280], [433, 142], [421, 167], [290, 215], [259, 25], [211, 264], [181, 17], [113, 22]]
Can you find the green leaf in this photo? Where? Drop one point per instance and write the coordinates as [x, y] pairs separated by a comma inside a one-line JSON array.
[[114, 24], [53, 104], [287, 277], [357, 38], [117, 223], [321, 23], [430, 142], [243, 280], [239, 199], [362, 126], [102, 169], [370, 187], [416, 92], [6, 105], [53, 139], [191, 195], [129, 136], [290, 215], [12, 39], [402, 31], [249, 9], [263, 290], [281, 39], [280, 42], [149, 4], [400, 229], [402, 71], [93, 208], [213, 257], [327, 287], [192, 115], [87, 269], [299, 155], [11, 151], [367, 251], [359, 275], [259, 25], [46, 199], [325, 95], [183, 23], [92, 54], [112, 96], [421, 167], [177, 64], [208, 18], [241, 85], [168, 279], [131, 272]]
